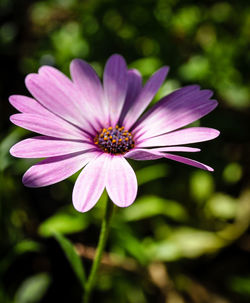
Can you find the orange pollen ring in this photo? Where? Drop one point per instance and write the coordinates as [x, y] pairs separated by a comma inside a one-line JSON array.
[[114, 140]]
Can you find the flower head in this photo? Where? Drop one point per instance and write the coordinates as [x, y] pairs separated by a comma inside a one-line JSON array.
[[84, 124]]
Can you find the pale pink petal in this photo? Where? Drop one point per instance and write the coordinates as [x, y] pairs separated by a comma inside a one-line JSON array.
[[143, 154], [89, 85], [133, 90], [115, 81], [176, 149], [153, 154], [145, 97], [42, 147], [188, 161], [29, 105], [53, 92], [90, 184], [48, 126], [56, 169], [156, 153], [121, 182], [183, 136], [175, 111]]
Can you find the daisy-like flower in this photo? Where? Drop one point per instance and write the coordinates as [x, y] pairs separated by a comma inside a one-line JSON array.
[[85, 124]]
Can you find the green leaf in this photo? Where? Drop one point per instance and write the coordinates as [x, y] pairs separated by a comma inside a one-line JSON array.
[[63, 223], [149, 206], [150, 173], [240, 285], [72, 256], [33, 289], [27, 246], [185, 242], [222, 206]]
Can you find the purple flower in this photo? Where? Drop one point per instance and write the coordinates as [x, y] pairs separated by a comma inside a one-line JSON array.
[[86, 124]]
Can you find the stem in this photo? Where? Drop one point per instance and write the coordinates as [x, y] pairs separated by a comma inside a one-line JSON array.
[[99, 250]]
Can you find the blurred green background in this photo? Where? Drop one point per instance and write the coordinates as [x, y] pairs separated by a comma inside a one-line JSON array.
[[186, 239]]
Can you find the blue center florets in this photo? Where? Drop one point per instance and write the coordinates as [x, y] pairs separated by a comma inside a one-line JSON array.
[[114, 140]]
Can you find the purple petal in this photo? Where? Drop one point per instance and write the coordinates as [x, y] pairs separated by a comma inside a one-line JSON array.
[[90, 184], [115, 83], [121, 182], [43, 147], [133, 90], [188, 161], [57, 93], [176, 149], [183, 136], [89, 85], [174, 111], [48, 126], [145, 97], [55, 169], [29, 105], [143, 155]]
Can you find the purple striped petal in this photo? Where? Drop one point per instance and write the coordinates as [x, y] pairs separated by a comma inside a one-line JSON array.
[[56, 92], [133, 90], [188, 161], [174, 111], [145, 97], [176, 149], [115, 81], [183, 136], [89, 85], [55, 169], [143, 154], [29, 105], [48, 126], [42, 147], [121, 182], [90, 184]]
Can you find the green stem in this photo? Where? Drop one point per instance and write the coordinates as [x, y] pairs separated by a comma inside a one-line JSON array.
[[99, 250]]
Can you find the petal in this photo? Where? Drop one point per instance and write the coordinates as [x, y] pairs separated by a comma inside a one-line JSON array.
[[47, 126], [121, 182], [145, 97], [175, 149], [143, 155], [29, 105], [115, 81], [89, 85], [174, 111], [133, 90], [90, 184], [183, 136], [188, 161], [156, 153], [43, 147], [55, 169], [56, 94]]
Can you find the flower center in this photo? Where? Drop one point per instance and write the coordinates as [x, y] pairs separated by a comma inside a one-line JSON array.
[[114, 140]]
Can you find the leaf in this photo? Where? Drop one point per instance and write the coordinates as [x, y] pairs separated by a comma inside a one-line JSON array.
[[27, 246], [185, 242], [6, 144], [149, 206], [63, 223], [150, 173], [72, 256], [126, 241], [33, 289]]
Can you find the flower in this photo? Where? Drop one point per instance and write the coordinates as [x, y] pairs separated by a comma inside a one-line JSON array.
[[86, 125]]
